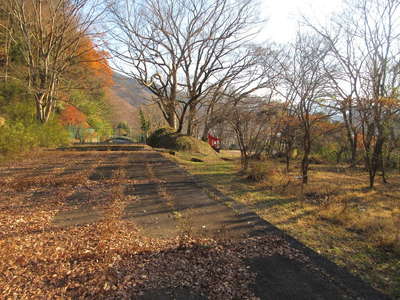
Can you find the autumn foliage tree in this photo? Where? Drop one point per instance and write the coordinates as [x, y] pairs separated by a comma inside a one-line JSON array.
[[49, 35], [92, 70], [71, 116]]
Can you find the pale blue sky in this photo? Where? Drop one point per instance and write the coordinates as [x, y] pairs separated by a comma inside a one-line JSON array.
[[284, 14]]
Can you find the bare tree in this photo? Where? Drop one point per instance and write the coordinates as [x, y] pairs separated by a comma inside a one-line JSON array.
[[364, 42], [305, 81], [249, 119], [6, 29], [182, 50], [224, 64], [257, 73], [345, 77], [380, 99], [288, 129], [241, 108], [49, 35]]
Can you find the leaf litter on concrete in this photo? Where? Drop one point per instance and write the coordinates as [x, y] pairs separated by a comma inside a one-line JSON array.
[[110, 258]]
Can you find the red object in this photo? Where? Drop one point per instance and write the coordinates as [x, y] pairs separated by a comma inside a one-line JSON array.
[[214, 142]]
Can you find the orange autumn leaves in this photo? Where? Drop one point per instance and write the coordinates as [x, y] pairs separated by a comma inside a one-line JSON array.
[[71, 116], [94, 65], [90, 76]]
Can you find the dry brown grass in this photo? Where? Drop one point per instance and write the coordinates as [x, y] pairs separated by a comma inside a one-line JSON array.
[[375, 213], [341, 196], [269, 173], [335, 214]]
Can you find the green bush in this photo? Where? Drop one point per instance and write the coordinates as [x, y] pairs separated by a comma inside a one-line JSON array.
[[12, 139], [52, 134], [162, 138], [17, 137], [21, 132]]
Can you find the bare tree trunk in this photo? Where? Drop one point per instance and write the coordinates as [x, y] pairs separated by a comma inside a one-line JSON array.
[[171, 120], [7, 46], [191, 118], [306, 157], [339, 154], [206, 129], [382, 163], [38, 109], [374, 163], [287, 162], [209, 113], [371, 174], [170, 114], [352, 135], [289, 147], [244, 159], [353, 145]]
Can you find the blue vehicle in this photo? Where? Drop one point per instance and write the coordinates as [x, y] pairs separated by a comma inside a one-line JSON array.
[[119, 140]]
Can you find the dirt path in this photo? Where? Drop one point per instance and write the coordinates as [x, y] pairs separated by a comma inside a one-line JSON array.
[[165, 202]]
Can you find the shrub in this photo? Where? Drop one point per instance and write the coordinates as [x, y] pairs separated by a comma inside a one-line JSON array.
[[17, 137], [268, 172], [161, 138], [327, 152], [52, 134], [20, 131]]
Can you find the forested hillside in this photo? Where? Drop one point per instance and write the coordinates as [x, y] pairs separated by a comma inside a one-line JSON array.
[[53, 77], [126, 97]]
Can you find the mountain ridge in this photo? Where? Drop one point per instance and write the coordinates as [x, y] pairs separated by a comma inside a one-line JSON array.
[[125, 98]]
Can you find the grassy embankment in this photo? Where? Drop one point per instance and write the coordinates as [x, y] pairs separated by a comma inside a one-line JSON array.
[[336, 214]]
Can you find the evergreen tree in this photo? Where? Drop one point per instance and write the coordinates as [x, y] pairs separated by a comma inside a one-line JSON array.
[[144, 125]]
